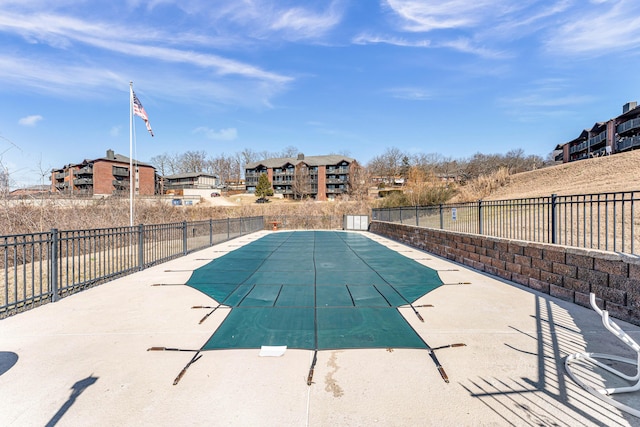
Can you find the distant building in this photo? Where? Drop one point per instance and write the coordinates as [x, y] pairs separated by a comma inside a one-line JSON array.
[[616, 135], [318, 177], [104, 176], [192, 180]]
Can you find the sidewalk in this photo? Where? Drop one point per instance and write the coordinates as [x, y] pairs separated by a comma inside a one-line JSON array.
[[83, 361]]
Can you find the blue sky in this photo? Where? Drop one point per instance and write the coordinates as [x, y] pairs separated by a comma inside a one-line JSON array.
[[344, 76]]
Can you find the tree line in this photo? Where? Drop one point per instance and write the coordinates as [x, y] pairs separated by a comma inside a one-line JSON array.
[[394, 163], [228, 167], [390, 165]]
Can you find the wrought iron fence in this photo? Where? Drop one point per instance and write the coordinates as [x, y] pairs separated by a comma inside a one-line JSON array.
[[42, 267], [605, 221], [308, 222]]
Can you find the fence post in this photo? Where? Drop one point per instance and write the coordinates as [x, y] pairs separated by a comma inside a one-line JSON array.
[[554, 218], [210, 231], [441, 217], [184, 237], [140, 247], [417, 217], [54, 265], [480, 228], [228, 228]]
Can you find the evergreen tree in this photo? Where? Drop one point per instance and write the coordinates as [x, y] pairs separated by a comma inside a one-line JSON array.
[[264, 186]]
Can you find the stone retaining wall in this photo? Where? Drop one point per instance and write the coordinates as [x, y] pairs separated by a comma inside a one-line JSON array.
[[565, 272]]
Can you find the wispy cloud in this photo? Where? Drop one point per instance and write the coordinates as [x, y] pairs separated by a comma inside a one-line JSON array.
[[395, 41], [607, 27], [271, 19], [30, 120], [545, 98], [299, 23], [423, 16], [411, 93], [228, 134], [62, 32]]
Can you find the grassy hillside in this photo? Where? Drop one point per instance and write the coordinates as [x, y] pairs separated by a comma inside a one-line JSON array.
[[620, 172]]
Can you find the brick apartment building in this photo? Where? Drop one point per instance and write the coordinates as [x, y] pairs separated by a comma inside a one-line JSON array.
[[104, 176], [616, 135], [318, 177]]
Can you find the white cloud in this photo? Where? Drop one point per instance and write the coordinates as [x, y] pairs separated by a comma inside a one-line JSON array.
[[228, 134], [30, 120], [268, 18], [302, 23], [411, 93], [395, 41], [611, 26], [61, 32], [428, 15], [545, 98]]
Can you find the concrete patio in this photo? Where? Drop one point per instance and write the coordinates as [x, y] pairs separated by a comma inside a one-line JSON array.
[[83, 361]]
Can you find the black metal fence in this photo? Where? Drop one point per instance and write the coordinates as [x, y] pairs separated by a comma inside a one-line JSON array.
[[309, 222], [41, 267], [605, 221]]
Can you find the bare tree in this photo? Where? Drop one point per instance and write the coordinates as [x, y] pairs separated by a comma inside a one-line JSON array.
[[301, 184], [388, 165], [222, 165], [193, 161], [359, 182], [163, 164], [288, 151]]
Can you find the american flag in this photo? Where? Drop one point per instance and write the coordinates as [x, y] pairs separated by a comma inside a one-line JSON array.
[[138, 110]]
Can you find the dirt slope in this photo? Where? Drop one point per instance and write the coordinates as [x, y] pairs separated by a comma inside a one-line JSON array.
[[620, 172]]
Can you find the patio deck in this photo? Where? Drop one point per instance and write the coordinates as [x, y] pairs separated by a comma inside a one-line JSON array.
[[84, 361]]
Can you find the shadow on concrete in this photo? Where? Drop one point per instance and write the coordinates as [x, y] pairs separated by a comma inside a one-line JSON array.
[[526, 401], [77, 389], [7, 360]]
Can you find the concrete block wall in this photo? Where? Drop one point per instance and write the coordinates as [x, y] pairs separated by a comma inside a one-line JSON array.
[[565, 272]]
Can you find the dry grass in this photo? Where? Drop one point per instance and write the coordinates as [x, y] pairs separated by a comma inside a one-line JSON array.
[[619, 172], [27, 216], [483, 186]]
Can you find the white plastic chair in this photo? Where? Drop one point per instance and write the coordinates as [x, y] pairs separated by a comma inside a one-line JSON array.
[[604, 393]]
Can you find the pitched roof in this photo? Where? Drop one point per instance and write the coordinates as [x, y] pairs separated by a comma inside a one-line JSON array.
[[190, 175], [119, 158], [331, 159]]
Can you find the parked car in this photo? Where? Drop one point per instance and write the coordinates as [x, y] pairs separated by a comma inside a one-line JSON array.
[[215, 194]]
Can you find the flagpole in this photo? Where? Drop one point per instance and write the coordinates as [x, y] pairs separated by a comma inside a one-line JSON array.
[[130, 154]]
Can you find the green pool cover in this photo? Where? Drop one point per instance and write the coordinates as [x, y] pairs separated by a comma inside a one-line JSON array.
[[315, 290]]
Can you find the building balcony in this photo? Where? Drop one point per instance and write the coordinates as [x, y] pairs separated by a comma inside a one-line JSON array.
[[337, 170], [87, 170], [83, 181], [253, 174], [336, 181], [577, 148], [597, 139], [628, 125], [120, 172], [120, 184], [336, 190], [628, 143]]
